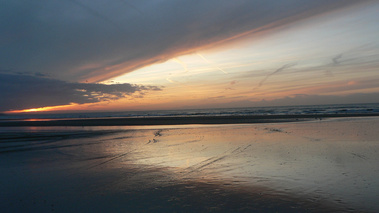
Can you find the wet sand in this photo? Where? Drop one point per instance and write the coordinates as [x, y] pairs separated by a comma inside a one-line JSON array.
[[327, 165]]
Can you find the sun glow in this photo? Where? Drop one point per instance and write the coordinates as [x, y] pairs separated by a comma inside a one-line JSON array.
[[43, 109]]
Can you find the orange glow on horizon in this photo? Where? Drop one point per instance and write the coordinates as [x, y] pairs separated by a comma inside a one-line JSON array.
[[43, 109]]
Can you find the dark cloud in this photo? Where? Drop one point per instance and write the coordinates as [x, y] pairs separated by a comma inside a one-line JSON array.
[[30, 91], [94, 40]]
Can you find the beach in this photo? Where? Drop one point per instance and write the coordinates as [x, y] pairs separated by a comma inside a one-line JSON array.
[[291, 164], [189, 106]]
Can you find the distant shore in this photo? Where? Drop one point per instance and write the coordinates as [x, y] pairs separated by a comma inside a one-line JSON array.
[[179, 120]]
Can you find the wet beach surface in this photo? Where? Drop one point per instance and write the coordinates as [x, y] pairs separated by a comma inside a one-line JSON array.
[[319, 166]]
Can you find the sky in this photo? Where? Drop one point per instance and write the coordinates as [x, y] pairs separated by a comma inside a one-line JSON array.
[[92, 55]]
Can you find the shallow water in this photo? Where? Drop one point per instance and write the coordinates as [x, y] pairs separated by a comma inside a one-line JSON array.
[[327, 166]]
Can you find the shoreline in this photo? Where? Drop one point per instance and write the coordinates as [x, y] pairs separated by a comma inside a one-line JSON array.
[[142, 121]]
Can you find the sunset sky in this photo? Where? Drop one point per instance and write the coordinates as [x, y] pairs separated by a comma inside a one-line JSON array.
[[171, 54]]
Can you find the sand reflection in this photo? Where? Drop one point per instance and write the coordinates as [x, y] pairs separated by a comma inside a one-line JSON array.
[[307, 166], [333, 160]]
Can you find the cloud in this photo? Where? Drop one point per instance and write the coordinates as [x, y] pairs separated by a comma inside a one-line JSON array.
[[299, 99], [303, 99], [336, 59], [206, 60], [363, 58], [94, 40], [286, 66], [30, 91]]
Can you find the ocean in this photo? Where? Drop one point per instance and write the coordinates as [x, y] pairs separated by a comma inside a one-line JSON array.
[[246, 111]]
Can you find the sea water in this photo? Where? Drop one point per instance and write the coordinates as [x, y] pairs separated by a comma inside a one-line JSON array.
[[274, 110]]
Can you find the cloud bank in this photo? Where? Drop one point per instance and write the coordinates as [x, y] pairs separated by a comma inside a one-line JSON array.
[[94, 40], [24, 92]]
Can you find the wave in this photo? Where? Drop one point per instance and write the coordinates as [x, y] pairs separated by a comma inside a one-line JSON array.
[[275, 110]]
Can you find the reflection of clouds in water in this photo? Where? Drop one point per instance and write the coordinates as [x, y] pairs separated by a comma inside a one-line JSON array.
[[324, 159], [329, 162]]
